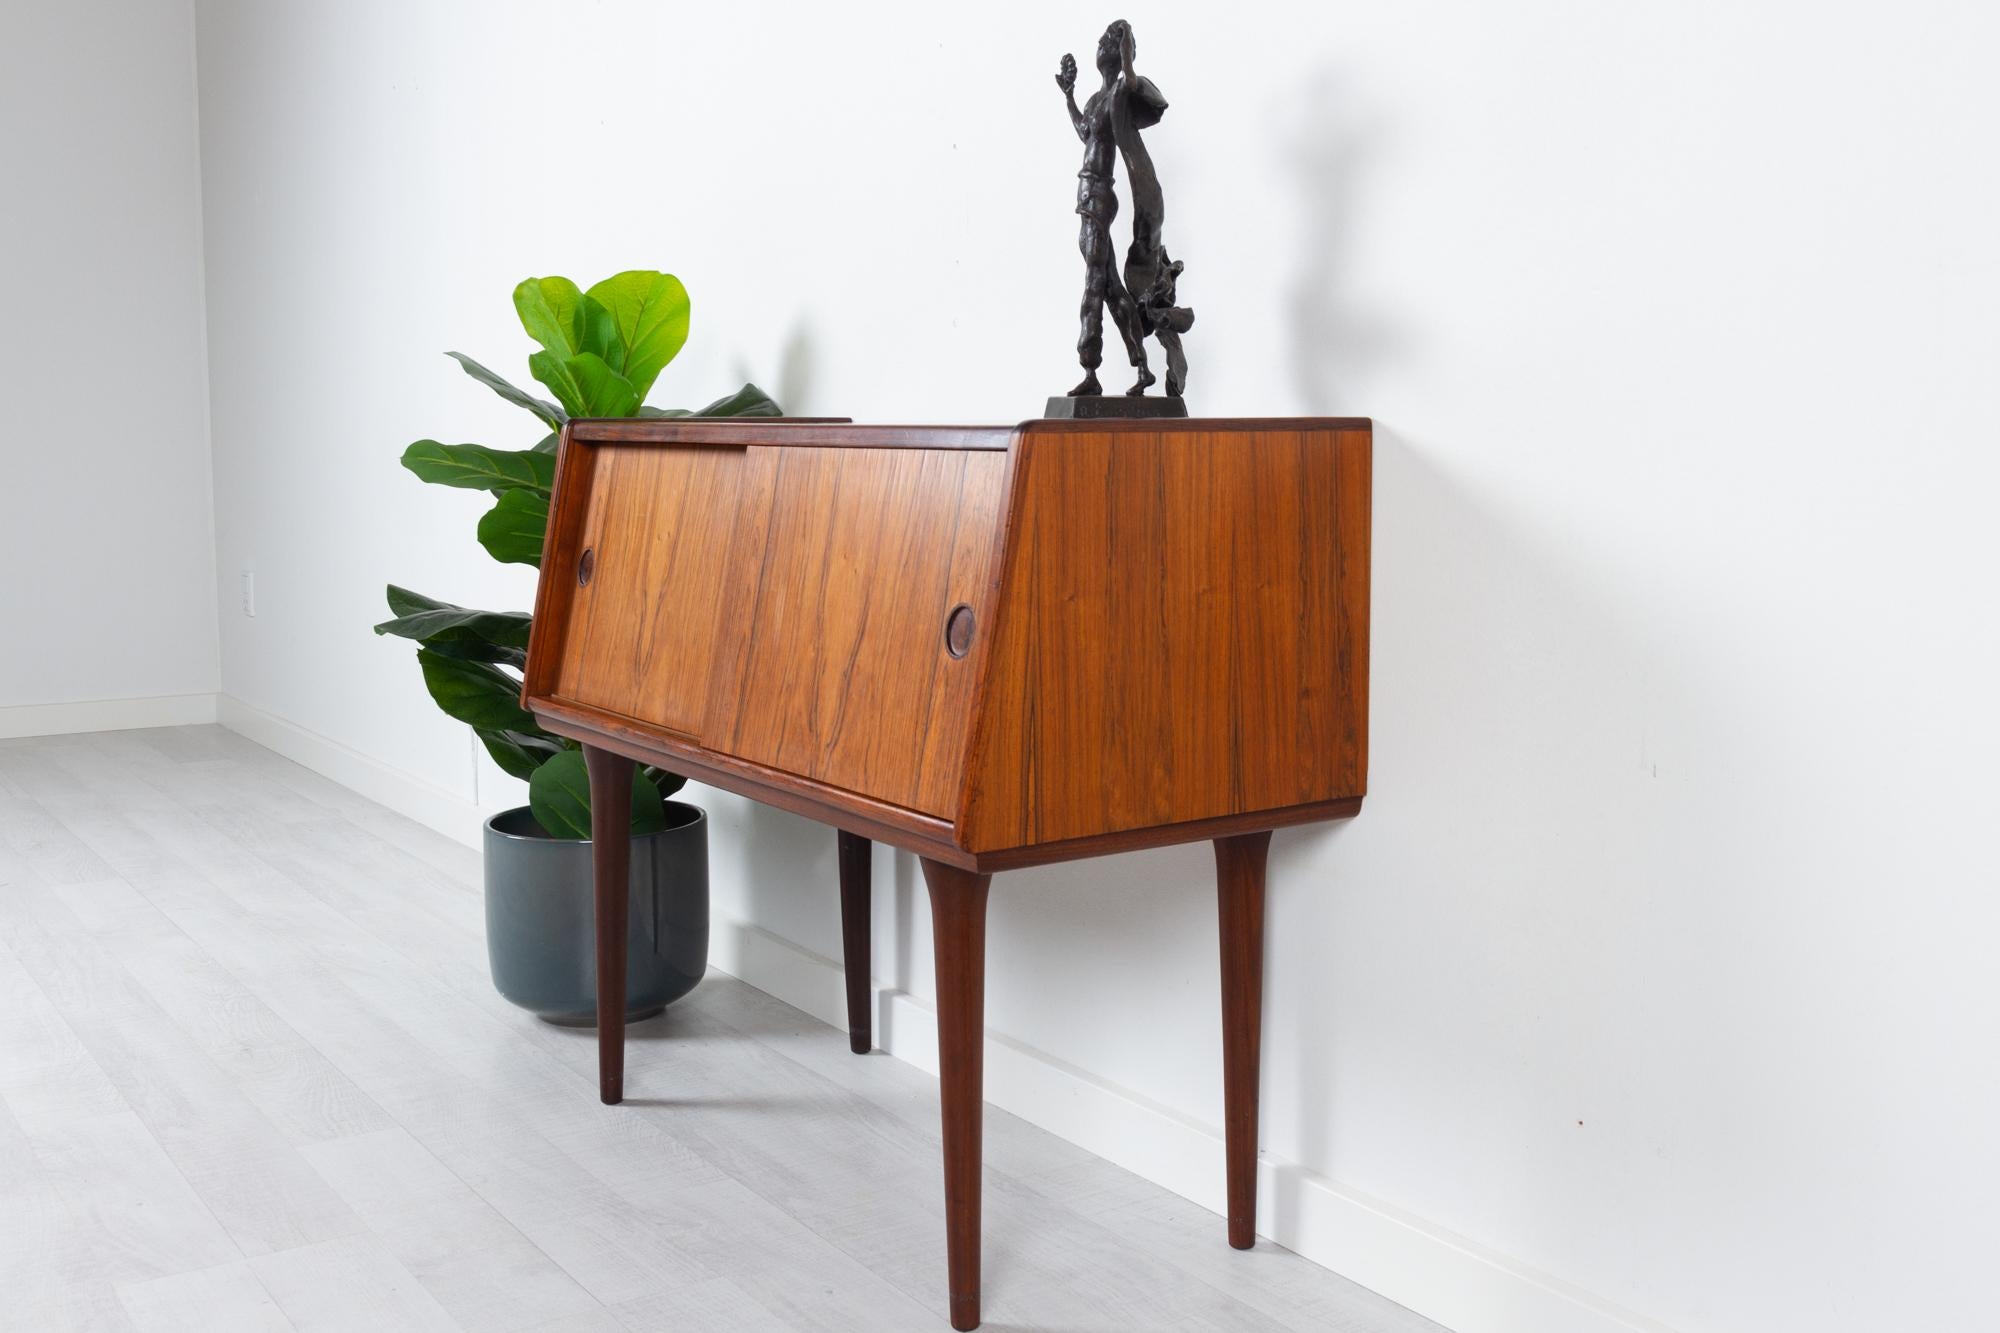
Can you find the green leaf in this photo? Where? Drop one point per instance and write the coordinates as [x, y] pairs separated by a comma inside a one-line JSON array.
[[421, 617], [475, 467], [503, 629], [568, 324], [456, 631], [554, 372], [475, 692], [668, 783], [606, 393], [548, 443], [748, 401], [559, 794], [519, 753], [597, 334], [651, 310], [472, 650], [551, 415], [586, 384], [404, 602], [547, 307], [513, 528], [649, 807], [479, 641]]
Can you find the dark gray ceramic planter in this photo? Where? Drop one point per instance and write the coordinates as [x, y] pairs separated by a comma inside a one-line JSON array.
[[539, 927]]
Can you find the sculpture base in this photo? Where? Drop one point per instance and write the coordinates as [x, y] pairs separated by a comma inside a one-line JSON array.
[[1104, 406]]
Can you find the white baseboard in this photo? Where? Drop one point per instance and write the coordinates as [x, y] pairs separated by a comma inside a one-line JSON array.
[[166, 710], [1441, 1276], [432, 806]]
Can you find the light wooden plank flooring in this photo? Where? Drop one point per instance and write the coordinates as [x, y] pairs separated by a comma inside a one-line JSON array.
[[253, 1076]]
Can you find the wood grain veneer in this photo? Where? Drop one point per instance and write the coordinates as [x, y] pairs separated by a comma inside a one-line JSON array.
[[847, 565], [1183, 632], [1171, 619], [642, 633]]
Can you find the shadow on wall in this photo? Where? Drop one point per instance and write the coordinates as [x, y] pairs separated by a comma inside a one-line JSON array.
[[791, 382], [797, 360], [1332, 337]]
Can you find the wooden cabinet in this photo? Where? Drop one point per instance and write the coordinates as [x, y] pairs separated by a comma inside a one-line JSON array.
[[1168, 622], [992, 646]]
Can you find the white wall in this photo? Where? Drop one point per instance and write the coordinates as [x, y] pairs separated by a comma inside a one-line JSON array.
[[1660, 960], [107, 543]]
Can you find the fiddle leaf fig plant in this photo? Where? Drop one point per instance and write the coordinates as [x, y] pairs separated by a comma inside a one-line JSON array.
[[601, 350]]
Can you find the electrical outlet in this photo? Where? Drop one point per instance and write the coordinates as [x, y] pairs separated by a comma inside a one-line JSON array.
[[250, 593]]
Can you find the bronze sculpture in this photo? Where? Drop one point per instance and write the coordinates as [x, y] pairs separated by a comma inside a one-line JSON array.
[[1142, 299]]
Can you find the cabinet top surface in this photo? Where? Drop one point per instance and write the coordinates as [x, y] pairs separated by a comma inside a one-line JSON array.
[[836, 431]]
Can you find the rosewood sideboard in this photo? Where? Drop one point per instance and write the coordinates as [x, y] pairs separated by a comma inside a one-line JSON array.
[[991, 646]]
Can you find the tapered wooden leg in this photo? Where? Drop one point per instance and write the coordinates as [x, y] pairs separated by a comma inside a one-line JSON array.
[[855, 854], [958, 934], [610, 867], [1239, 881]]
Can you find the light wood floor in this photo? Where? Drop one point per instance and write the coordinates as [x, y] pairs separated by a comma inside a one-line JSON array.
[[253, 1076]]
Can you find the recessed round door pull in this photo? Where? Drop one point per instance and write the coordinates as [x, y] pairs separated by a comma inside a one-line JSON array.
[[586, 565], [958, 628]]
